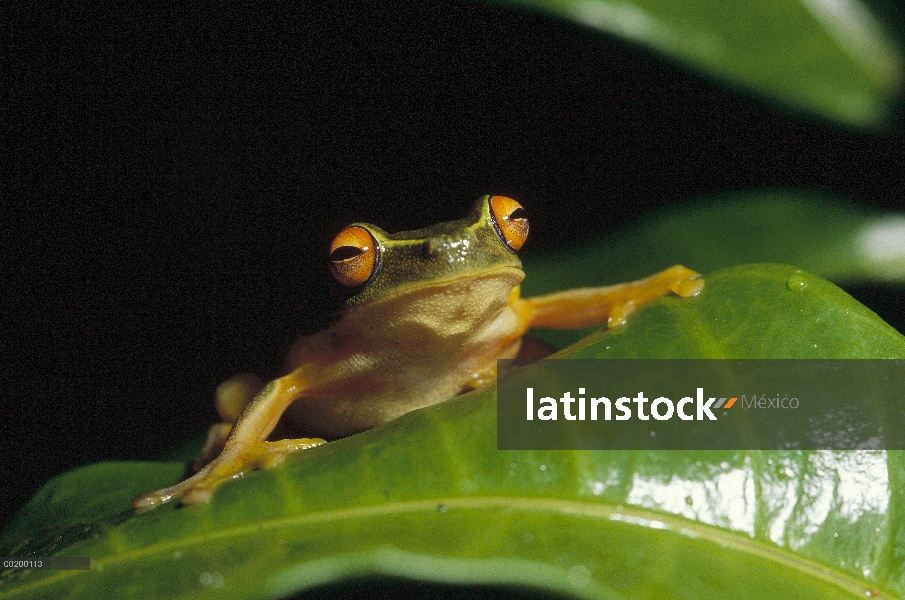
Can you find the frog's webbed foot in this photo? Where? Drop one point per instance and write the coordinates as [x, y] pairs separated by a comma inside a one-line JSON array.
[[583, 307], [229, 465], [245, 448]]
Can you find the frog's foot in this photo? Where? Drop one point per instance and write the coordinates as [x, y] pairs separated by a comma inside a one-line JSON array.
[[245, 448], [583, 307], [231, 464]]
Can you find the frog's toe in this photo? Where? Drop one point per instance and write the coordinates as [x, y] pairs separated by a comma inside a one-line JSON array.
[[147, 502], [688, 287], [619, 314], [684, 282], [196, 495], [273, 453]]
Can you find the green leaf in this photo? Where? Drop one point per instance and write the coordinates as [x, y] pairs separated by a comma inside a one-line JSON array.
[[831, 58], [831, 237], [429, 497]]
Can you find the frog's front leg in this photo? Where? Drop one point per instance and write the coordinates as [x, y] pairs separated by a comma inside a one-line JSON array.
[[583, 307], [245, 448]]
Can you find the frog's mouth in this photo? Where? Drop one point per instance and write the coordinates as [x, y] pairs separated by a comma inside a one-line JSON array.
[[510, 275], [496, 282]]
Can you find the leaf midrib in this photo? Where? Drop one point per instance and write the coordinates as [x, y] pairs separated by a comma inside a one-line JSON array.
[[629, 515]]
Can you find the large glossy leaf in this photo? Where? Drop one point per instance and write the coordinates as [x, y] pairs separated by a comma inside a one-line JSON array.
[[429, 497], [831, 58], [837, 239]]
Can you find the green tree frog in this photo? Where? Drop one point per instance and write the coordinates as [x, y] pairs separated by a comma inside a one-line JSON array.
[[431, 312]]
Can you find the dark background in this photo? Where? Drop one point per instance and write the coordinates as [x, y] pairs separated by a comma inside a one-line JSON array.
[[172, 180]]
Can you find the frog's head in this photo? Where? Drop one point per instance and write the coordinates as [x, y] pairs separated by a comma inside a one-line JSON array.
[[373, 263]]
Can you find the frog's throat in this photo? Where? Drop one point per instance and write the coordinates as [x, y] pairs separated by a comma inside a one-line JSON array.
[[513, 273]]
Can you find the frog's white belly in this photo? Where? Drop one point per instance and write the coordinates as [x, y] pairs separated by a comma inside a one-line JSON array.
[[428, 345]]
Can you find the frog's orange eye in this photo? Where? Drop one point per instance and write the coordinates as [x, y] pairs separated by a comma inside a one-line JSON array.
[[354, 257], [510, 221]]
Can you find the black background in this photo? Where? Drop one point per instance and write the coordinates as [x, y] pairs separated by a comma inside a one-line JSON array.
[[172, 179]]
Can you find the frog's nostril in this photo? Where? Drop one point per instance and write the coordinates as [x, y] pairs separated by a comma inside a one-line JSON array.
[[430, 247]]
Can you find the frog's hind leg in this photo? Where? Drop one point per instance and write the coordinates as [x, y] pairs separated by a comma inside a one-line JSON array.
[[231, 398], [245, 448], [583, 307]]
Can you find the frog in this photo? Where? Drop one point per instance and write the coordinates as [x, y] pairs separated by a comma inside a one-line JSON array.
[[428, 314]]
